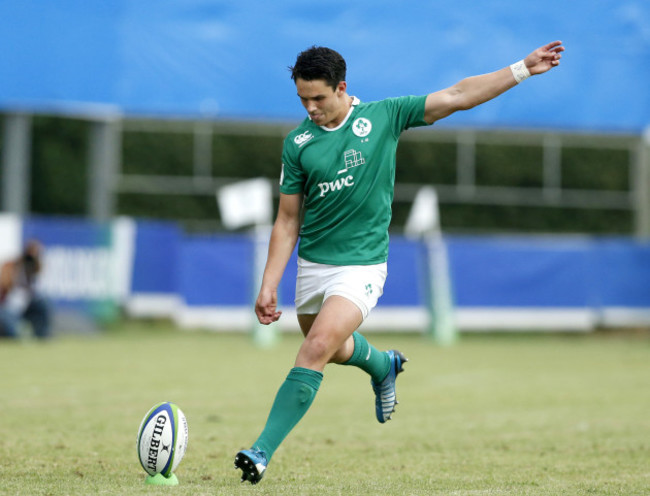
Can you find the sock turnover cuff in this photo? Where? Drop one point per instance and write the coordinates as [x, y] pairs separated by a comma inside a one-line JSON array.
[[359, 349], [312, 378]]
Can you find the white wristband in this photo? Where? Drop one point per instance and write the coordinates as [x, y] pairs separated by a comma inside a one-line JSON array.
[[520, 71]]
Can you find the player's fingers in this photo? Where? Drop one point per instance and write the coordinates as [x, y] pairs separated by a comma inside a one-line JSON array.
[[552, 45], [269, 313], [551, 50], [267, 319], [552, 56], [263, 311], [261, 319]]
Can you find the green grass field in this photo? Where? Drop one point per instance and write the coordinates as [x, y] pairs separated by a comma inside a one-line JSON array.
[[493, 415]]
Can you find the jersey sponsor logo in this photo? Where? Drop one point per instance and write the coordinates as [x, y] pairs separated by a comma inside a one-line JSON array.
[[303, 138], [337, 185], [352, 158], [361, 127]]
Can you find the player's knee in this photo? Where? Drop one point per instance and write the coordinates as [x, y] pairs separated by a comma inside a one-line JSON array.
[[318, 348]]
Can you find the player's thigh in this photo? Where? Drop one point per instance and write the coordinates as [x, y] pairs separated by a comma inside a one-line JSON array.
[[305, 321]]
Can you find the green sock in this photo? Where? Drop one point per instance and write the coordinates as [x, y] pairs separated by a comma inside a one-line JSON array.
[[294, 398], [368, 358]]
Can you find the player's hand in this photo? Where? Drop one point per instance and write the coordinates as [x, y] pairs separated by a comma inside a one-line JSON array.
[[544, 58], [266, 306]]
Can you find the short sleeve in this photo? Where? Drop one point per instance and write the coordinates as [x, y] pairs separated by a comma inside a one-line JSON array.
[[406, 112], [292, 177]]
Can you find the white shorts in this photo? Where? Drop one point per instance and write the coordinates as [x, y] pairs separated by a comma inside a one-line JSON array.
[[361, 284]]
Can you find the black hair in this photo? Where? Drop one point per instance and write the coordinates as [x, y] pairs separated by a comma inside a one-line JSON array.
[[319, 63]]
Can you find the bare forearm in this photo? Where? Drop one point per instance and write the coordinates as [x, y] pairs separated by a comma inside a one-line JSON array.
[[476, 90], [467, 94], [283, 240]]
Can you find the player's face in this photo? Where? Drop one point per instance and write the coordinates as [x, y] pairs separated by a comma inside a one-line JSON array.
[[326, 106]]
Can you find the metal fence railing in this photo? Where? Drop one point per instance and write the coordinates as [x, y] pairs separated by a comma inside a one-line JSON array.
[[107, 177]]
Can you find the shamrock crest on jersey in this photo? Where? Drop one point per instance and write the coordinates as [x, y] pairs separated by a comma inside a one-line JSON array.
[[361, 127]]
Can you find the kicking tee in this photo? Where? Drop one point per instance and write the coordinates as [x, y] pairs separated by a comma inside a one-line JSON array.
[[347, 177]]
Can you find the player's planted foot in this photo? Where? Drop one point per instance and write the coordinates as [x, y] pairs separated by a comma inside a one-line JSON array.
[[385, 398], [252, 464]]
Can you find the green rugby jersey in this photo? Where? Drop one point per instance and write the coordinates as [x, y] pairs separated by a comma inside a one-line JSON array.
[[347, 176]]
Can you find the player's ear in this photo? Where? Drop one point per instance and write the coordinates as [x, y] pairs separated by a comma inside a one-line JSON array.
[[341, 88]]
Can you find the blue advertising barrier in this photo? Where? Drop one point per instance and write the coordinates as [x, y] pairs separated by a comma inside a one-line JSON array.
[[77, 261], [508, 272], [216, 271], [87, 266], [156, 257], [154, 269], [622, 273], [577, 279], [550, 272]]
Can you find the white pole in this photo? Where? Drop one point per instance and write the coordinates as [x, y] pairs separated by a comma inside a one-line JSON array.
[[16, 157], [247, 203], [424, 224], [442, 326]]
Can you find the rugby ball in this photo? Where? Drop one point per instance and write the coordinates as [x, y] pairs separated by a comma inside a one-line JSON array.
[[162, 439]]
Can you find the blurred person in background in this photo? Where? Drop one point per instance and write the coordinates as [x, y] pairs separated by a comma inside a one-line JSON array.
[[336, 191], [19, 299]]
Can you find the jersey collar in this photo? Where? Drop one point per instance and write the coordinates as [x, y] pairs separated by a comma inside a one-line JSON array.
[[355, 102]]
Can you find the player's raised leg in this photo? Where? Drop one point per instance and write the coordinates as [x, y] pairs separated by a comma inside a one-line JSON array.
[[382, 366]]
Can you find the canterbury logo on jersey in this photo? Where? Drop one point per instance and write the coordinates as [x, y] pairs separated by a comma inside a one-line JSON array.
[[303, 138]]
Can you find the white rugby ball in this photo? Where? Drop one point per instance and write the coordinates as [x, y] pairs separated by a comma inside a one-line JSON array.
[[162, 439]]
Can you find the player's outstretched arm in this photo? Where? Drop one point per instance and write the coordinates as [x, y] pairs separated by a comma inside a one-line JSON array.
[[284, 237], [475, 90]]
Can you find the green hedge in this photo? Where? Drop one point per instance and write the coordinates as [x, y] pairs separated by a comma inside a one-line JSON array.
[[59, 173], [60, 155]]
